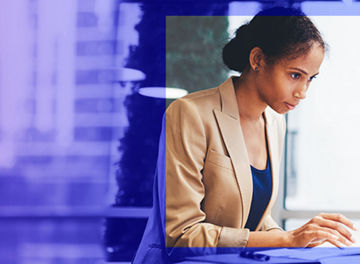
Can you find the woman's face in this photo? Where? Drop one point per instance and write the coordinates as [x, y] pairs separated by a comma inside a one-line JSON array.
[[283, 84]]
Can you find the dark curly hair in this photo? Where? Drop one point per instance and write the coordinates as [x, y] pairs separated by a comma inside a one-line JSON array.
[[280, 32]]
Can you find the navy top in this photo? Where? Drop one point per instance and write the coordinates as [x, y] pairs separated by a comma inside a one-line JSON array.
[[262, 189]]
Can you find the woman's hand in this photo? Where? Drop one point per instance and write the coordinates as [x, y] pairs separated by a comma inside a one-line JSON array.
[[323, 227]]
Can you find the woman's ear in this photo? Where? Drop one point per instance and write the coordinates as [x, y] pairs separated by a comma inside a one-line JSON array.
[[256, 59]]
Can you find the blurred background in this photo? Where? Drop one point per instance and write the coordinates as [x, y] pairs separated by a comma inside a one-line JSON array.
[[83, 87]]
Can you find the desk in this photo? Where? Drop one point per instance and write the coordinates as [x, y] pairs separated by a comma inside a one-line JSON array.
[[235, 258], [325, 256]]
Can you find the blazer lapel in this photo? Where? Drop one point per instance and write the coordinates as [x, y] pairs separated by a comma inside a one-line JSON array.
[[274, 155], [229, 124]]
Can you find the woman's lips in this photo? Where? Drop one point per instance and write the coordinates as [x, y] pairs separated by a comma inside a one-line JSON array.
[[290, 106]]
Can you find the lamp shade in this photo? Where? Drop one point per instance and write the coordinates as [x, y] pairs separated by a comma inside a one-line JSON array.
[[163, 92]]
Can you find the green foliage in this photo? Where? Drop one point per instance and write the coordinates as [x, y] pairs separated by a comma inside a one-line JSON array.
[[193, 51]]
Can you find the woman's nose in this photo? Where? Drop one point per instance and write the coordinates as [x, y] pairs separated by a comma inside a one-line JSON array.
[[300, 93]]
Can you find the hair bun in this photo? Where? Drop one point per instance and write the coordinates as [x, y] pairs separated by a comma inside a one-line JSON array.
[[236, 52], [279, 32], [242, 31]]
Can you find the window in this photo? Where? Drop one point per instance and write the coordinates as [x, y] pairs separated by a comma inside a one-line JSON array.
[[323, 132]]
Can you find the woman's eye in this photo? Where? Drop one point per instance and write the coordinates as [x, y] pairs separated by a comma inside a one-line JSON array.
[[295, 76]]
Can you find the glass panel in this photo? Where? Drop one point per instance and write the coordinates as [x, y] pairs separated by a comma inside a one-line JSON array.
[[323, 132], [58, 133], [51, 240]]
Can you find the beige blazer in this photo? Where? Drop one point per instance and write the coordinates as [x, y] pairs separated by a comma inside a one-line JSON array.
[[208, 177]]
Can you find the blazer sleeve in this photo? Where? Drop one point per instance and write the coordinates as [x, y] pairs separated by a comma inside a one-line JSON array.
[[186, 145]]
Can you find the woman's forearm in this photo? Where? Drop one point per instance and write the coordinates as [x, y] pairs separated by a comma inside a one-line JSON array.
[[273, 238]]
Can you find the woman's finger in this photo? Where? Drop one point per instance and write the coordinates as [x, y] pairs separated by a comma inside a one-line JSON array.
[[339, 218], [322, 233], [317, 243], [323, 222], [333, 239], [340, 237]]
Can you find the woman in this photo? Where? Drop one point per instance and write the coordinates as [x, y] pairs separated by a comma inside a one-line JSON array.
[[224, 145]]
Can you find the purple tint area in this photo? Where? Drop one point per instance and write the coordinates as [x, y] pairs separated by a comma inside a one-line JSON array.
[[61, 117], [272, 255], [79, 145]]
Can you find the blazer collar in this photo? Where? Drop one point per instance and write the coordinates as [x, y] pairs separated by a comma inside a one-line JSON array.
[[229, 104], [229, 123]]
